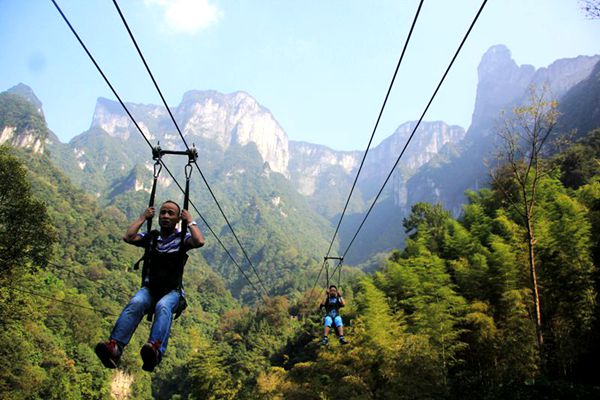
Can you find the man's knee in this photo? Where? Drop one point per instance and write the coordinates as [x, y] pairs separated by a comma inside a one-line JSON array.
[[167, 303], [328, 321], [139, 302], [338, 321]]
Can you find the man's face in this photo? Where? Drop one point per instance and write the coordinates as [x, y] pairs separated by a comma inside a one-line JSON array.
[[332, 292], [168, 216]]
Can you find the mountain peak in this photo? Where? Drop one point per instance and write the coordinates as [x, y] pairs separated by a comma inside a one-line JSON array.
[[501, 81], [27, 93], [498, 60], [497, 52], [21, 124], [235, 118]]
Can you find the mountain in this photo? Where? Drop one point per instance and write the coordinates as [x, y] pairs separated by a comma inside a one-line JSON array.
[[21, 124], [254, 169], [27, 93], [580, 106], [326, 175], [502, 85], [240, 140]]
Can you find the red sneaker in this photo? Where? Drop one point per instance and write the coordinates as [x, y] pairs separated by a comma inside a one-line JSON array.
[[109, 353], [151, 355]]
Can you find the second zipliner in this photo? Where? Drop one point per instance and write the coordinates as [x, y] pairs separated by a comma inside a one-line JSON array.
[[332, 303]]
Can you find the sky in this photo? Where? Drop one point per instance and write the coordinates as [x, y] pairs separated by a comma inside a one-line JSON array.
[[322, 67]]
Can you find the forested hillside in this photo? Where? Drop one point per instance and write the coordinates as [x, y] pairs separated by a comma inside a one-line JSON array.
[[447, 317]]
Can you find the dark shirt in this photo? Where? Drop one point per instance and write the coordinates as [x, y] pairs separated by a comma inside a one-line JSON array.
[[333, 305], [165, 265]]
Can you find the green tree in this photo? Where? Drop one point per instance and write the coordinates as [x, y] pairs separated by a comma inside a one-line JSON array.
[[26, 235], [524, 136], [209, 378]]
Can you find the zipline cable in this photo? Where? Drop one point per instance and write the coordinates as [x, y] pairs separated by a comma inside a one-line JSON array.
[[186, 144], [144, 136], [217, 237], [410, 32], [416, 126], [387, 95]]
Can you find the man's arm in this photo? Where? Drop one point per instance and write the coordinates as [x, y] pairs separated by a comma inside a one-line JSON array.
[[342, 302], [323, 302], [196, 239], [131, 235]]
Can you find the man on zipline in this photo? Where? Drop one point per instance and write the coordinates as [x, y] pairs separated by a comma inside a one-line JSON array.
[[161, 291], [332, 304]]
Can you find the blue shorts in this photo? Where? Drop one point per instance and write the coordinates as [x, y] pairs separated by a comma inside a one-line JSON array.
[[337, 320]]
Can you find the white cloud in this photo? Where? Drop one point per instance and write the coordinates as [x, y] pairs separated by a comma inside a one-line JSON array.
[[188, 16]]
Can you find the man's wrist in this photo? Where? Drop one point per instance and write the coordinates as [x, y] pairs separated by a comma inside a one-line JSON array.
[[192, 223]]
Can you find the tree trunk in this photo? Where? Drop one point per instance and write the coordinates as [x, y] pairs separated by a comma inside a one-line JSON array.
[[534, 285]]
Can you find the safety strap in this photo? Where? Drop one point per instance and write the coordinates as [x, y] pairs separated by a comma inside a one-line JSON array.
[[186, 202], [157, 169]]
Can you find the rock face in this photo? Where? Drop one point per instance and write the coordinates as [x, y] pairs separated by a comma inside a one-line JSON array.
[[238, 119], [314, 167], [580, 106], [501, 81], [235, 118], [502, 85], [429, 140], [29, 139], [223, 119], [310, 163]]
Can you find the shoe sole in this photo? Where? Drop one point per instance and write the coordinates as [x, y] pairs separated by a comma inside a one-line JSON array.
[[104, 355], [149, 358]]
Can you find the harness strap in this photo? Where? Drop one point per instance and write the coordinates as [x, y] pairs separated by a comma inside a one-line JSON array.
[[145, 257]]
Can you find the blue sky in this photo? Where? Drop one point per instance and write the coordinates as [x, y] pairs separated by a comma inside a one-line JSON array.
[[321, 67]]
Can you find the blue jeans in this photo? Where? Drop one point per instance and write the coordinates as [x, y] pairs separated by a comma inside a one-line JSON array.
[[138, 306], [337, 320]]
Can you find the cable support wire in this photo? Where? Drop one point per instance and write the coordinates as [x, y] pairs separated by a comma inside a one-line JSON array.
[[387, 95], [326, 267], [338, 269], [137, 47], [54, 299], [145, 138], [215, 235], [416, 126]]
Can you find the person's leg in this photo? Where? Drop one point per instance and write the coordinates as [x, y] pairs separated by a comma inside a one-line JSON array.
[[163, 317], [328, 322], [109, 352], [153, 351], [131, 316], [339, 325]]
